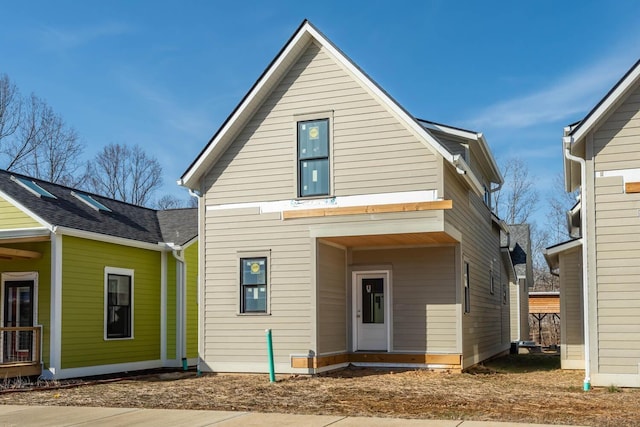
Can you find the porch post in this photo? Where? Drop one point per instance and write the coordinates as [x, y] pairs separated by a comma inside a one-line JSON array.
[[55, 327]]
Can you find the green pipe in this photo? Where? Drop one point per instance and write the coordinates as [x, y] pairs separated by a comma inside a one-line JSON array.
[[272, 371]]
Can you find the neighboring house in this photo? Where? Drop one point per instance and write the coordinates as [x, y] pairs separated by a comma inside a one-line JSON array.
[[599, 269], [92, 285], [353, 230], [520, 251]]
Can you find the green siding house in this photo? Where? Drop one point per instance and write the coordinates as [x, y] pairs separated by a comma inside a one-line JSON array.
[[91, 285]]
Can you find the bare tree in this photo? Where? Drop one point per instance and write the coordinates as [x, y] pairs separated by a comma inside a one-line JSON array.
[[45, 146], [34, 140], [124, 173], [10, 108], [517, 200], [559, 204], [169, 201]]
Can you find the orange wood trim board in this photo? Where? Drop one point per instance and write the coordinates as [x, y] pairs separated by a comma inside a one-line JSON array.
[[632, 187], [370, 209]]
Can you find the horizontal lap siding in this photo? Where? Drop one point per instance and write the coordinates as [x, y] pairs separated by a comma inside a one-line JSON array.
[[572, 335], [482, 327], [616, 145], [372, 151], [83, 342], [424, 296], [233, 337], [191, 260], [332, 299], [12, 217]]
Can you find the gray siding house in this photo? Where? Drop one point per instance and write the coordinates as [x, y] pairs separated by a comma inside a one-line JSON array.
[[356, 232], [599, 270]]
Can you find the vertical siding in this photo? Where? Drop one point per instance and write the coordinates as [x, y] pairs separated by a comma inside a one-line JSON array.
[[372, 151], [482, 336], [424, 296], [571, 307], [43, 267], [12, 217], [617, 271], [83, 342], [332, 299], [191, 258]]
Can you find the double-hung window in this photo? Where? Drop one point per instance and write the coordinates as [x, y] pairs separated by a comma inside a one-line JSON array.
[[253, 285], [118, 303], [313, 158]]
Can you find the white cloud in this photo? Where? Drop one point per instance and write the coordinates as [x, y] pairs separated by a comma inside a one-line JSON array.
[[567, 98], [68, 38]]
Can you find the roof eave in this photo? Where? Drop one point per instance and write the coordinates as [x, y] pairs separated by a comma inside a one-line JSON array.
[[269, 78]]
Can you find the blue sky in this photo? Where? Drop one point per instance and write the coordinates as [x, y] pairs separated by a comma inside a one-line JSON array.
[[166, 74]]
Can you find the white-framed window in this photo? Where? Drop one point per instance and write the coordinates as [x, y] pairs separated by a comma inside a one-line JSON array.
[[253, 285], [118, 303], [467, 289], [313, 158]]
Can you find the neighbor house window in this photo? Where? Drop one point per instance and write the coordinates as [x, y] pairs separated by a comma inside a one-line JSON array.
[[467, 291], [313, 158], [253, 285], [118, 303]]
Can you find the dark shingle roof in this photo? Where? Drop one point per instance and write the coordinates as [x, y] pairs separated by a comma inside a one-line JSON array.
[[125, 220], [520, 236], [178, 225]]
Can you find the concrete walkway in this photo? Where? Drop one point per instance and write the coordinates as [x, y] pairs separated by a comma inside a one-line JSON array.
[[13, 415]]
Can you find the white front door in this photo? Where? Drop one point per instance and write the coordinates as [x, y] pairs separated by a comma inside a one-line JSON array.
[[371, 311]]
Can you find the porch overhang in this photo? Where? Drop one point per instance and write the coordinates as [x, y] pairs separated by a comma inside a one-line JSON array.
[[395, 239], [17, 254]]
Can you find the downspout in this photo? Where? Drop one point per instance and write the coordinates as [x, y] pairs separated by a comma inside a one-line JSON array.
[[585, 271], [182, 315]]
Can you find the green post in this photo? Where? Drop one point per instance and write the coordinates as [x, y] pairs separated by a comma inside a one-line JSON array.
[[272, 371]]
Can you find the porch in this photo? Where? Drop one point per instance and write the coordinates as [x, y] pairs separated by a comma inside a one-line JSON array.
[[20, 351]]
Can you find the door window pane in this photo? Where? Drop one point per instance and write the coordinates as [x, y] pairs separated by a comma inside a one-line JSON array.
[[373, 300]]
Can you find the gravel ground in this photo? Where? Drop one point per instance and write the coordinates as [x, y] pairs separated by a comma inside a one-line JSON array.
[[516, 388]]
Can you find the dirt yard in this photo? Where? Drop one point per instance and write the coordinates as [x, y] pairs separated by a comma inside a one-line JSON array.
[[516, 388]]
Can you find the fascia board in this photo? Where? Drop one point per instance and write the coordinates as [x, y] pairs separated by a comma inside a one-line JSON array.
[[408, 120], [484, 146], [26, 211], [468, 175], [216, 145], [307, 30], [66, 231], [607, 103]]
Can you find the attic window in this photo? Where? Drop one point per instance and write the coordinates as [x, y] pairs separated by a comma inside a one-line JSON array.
[[90, 201], [32, 187]]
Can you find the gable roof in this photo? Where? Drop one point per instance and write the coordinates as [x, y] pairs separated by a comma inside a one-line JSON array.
[[575, 133], [294, 47], [178, 226], [124, 220]]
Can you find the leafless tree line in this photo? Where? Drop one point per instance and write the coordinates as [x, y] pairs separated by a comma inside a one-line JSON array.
[[517, 202], [36, 141]]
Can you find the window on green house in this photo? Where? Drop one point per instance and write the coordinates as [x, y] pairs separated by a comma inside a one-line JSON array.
[[118, 303], [313, 158]]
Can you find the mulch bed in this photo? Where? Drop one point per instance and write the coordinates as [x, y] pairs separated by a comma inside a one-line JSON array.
[[521, 389]]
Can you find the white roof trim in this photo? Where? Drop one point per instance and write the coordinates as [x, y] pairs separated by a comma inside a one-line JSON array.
[[109, 239], [306, 30], [607, 103]]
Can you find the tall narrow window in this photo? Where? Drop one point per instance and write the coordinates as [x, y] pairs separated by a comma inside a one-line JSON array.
[[118, 304], [467, 290], [253, 285], [313, 158]]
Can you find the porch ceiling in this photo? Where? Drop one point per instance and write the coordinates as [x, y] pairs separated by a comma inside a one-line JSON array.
[[17, 254], [402, 239]]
